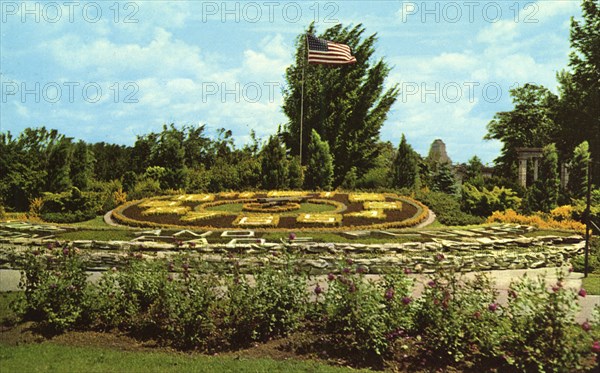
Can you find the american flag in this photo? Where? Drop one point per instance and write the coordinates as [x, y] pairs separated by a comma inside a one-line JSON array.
[[326, 52]]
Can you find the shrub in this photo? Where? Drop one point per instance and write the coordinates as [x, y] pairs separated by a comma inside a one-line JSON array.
[[274, 306], [458, 319], [361, 317], [182, 311], [447, 208], [482, 202], [539, 220], [54, 283], [543, 335]]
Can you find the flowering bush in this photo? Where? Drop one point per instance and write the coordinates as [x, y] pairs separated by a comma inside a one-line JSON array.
[[54, 281], [542, 334], [538, 220], [458, 318]]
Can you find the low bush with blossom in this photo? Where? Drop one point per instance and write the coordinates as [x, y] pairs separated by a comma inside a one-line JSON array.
[[454, 322]]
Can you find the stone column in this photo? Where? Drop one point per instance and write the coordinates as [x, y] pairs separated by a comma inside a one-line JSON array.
[[523, 172], [535, 168]]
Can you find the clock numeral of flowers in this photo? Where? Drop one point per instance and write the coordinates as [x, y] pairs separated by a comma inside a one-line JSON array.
[[257, 220], [362, 197], [160, 210], [327, 219], [195, 197], [200, 215], [395, 205], [159, 203], [369, 214]]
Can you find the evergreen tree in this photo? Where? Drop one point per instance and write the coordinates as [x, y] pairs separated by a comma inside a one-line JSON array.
[[274, 165], [59, 167], [443, 180], [82, 165], [578, 172], [405, 169], [346, 105], [319, 170], [296, 174], [579, 115], [543, 195]]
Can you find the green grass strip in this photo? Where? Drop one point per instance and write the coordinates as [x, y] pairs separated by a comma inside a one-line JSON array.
[[49, 357]]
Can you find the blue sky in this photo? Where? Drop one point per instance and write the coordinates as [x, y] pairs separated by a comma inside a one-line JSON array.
[[108, 71]]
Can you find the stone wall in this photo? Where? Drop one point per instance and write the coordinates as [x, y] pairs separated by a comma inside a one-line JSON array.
[[477, 255]]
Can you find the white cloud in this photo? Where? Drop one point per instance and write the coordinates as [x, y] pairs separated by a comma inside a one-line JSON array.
[[502, 31]]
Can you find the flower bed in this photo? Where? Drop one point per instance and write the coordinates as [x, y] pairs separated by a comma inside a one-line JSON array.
[[257, 220], [320, 219], [383, 205], [369, 214], [362, 197], [260, 207], [195, 197], [400, 212]]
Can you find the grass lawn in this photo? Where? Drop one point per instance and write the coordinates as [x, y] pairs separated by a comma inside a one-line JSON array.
[[49, 357], [7, 316], [592, 283], [99, 235], [97, 222]]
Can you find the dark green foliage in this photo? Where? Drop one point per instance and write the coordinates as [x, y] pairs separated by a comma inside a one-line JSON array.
[[405, 169], [295, 173], [579, 115], [443, 179], [82, 165], [578, 172], [350, 180], [145, 188], [482, 201], [474, 172], [447, 208], [55, 283], [72, 206], [274, 165], [346, 105], [543, 195], [530, 124], [319, 169]]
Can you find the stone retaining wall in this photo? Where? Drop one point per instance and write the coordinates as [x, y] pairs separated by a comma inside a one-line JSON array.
[[474, 255]]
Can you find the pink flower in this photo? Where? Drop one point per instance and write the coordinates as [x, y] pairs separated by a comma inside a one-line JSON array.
[[493, 307], [439, 257], [330, 276], [349, 261], [596, 347], [361, 269], [292, 236], [318, 289], [582, 292], [586, 326], [407, 271], [431, 283], [406, 300], [65, 251], [571, 269], [477, 315], [389, 294], [555, 288]]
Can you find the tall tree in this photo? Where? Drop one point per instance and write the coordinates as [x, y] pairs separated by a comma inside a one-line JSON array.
[[82, 165], [543, 195], [578, 172], [274, 164], [405, 169], [345, 105], [443, 180], [580, 88], [319, 170], [530, 124]]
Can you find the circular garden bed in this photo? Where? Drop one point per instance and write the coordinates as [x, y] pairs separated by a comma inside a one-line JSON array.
[[281, 210]]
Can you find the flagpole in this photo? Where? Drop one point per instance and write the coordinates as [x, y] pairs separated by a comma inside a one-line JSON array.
[[302, 102]]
